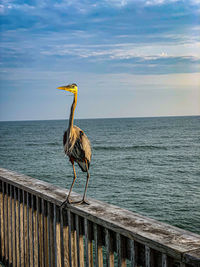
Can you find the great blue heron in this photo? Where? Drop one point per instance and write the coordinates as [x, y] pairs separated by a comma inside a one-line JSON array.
[[76, 145]]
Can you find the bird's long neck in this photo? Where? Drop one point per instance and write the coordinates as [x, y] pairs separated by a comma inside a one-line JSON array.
[[71, 118]]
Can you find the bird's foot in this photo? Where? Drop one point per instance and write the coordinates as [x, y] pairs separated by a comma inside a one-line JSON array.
[[83, 201], [68, 201]]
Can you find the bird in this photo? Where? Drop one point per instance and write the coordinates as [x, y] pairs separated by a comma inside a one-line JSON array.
[[76, 146]]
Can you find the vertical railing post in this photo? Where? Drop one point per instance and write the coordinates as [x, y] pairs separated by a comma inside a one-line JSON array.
[[69, 236], [15, 227], [7, 222], [33, 230], [58, 238], [164, 260], [147, 256], [3, 223], [86, 241], [54, 229], [49, 231], [19, 227], [37, 230], [77, 239], [11, 232], [23, 234], [132, 252], [109, 249]]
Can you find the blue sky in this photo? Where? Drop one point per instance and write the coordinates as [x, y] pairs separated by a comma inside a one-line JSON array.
[[130, 58]]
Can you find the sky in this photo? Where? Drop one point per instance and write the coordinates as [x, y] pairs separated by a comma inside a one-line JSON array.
[[130, 58]]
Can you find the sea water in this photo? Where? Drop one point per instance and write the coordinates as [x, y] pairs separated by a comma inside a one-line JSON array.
[[147, 165]]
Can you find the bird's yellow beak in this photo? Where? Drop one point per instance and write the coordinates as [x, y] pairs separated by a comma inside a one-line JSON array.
[[70, 88]]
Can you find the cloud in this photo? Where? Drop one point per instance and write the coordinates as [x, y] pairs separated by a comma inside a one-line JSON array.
[[128, 51], [159, 2], [84, 6], [7, 6], [133, 40]]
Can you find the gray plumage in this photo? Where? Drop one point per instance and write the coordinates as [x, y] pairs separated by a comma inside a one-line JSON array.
[[77, 146]]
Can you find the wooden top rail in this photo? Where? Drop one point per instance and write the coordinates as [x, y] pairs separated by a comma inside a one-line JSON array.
[[177, 243]]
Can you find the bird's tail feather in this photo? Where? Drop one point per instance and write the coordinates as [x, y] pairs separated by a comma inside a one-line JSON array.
[[82, 165]]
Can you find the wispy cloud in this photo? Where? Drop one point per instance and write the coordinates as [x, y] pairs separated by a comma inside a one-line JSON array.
[[86, 6], [160, 2], [128, 51]]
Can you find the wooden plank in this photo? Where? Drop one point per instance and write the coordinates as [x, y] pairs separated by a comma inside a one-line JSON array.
[[69, 237], [30, 236], [159, 236], [24, 240], [98, 246], [81, 241], [90, 244], [26, 230], [41, 230], [8, 224], [45, 235], [54, 230], [65, 238], [132, 252], [121, 259], [49, 232], [147, 257], [35, 234], [73, 241], [52, 234], [61, 237], [37, 231], [164, 260], [4, 223], [19, 227], [58, 239], [86, 242], [11, 220], [109, 249], [15, 226], [119, 253], [77, 239], [1, 222], [33, 231], [1, 238]]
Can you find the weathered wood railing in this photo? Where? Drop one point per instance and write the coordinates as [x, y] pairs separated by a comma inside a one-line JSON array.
[[35, 231]]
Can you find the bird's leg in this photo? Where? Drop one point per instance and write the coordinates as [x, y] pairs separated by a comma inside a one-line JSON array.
[[88, 177], [84, 201], [68, 197]]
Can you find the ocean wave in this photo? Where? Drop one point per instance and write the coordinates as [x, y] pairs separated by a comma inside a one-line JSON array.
[[136, 147], [44, 144]]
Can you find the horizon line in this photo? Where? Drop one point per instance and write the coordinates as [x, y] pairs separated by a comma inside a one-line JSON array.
[[99, 118]]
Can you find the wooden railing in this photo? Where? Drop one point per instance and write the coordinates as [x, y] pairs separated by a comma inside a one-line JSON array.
[[35, 231]]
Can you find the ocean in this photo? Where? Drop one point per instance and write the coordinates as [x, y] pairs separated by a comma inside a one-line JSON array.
[[147, 165]]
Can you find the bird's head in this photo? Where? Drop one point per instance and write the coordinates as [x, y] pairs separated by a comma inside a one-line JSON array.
[[73, 88]]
